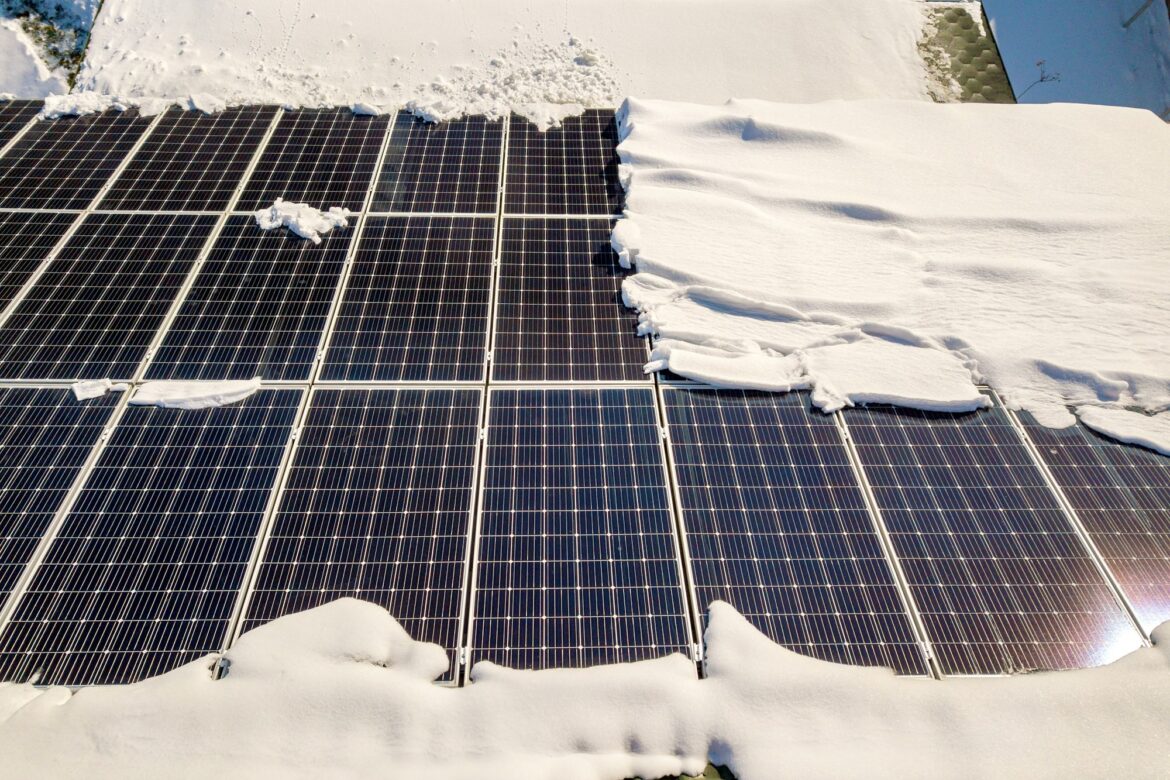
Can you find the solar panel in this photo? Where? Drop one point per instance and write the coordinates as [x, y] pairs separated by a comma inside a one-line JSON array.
[[63, 163], [15, 114], [1121, 494], [578, 562], [560, 315], [191, 161], [377, 507], [95, 310], [321, 157], [776, 525], [416, 302], [447, 167], [258, 307], [26, 238], [145, 572], [45, 438], [1000, 577], [572, 169]]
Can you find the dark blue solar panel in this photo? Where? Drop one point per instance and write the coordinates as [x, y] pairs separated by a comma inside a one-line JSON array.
[[45, 437], [14, 115], [63, 163], [416, 302], [26, 238], [145, 572], [571, 170], [560, 315], [95, 310], [191, 161], [1121, 494], [325, 158], [776, 525], [578, 562], [377, 507], [258, 307], [446, 167], [1000, 577]]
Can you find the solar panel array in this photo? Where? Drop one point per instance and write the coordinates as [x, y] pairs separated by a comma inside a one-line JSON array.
[[456, 425]]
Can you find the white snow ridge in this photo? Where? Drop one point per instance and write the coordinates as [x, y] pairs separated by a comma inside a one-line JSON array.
[[183, 394], [302, 219]]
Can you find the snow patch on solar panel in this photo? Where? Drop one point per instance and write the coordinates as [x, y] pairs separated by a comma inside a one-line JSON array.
[[342, 690], [96, 388], [177, 394], [302, 219], [945, 244], [1149, 431]]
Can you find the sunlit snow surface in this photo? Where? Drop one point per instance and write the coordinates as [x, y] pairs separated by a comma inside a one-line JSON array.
[[342, 690], [1027, 247]]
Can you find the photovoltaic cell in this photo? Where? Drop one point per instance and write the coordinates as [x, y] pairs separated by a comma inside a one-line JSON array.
[[377, 507], [776, 525], [15, 114], [26, 238], [45, 438], [63, 163], [578, 561], [416, 303], [146, 569], [321, 157], [1001, 579], [258, 307], [445, 167], [191, 161], [94, 311], [571, 170], [1121, 494], [560, 315]]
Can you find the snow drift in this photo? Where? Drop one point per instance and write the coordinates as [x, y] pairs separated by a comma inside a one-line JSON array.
[[302, 219], [343, 690], [902, 251], [193, 394]]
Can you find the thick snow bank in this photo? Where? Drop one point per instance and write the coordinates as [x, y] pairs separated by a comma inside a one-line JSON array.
[[488, 56], [1022, 246], [23, 73], [302, 219], [343, 691], [1084, 43], [1152, 432], [176, 394]]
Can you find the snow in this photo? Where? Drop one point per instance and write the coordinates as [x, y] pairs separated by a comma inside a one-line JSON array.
[[78, 103], [901, 251], [176, 394], [1097, 59], [22, 71], [547, 60], [1149, 431], [302, 219], [96, 388], [343, 691]]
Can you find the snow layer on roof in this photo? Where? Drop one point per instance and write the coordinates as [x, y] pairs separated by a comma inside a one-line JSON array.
[[180, 394], [1026, 246], [1084, 43], [1150, 431], [342, 690], [22, 71], [446, 58], [302, 219]]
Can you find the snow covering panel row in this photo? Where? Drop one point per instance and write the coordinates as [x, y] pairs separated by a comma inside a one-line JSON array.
[[1121, 494], [776, 525], [14, 115], [559, 315], [577, 560], [26, 238], [258, 307], [416, 302], [94, 311], [145, 572], [1000, 576], [448, 167], [45, 438], [191, 161], [63, 163], [569, 170], [377, 506]]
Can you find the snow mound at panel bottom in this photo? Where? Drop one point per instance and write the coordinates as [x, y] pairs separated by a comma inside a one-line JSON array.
[[342, 690]]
